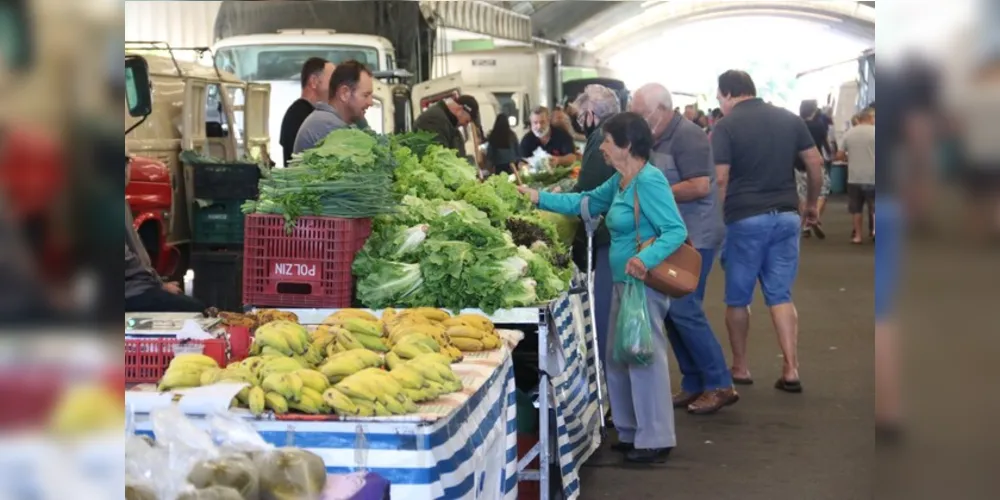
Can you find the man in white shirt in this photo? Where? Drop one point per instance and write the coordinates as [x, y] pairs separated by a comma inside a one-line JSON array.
[[859, 152]]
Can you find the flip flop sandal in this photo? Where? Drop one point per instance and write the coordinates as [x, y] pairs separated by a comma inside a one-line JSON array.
[[742, 381], [788, 386]]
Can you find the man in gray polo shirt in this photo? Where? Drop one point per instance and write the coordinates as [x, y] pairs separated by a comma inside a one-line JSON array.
[[351, 89], [682, 151]]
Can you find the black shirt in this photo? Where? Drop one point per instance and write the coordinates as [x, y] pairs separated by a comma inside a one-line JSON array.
[[560, 144], [760, 142], [291, 124]]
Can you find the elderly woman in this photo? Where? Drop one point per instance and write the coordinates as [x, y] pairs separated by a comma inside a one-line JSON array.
[[642, 410], [594, 107]]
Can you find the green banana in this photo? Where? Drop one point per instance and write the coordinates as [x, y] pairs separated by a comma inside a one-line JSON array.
[[408, 377], [372, 343], [339, 402]]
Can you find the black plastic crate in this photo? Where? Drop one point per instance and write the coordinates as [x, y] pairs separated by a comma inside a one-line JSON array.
[[221, 181], [218, 279], [219, 226]]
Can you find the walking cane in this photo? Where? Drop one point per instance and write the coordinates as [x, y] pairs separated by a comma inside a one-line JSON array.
[[590, 225]]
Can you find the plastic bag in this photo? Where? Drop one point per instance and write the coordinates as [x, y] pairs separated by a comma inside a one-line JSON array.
[[633, 330]]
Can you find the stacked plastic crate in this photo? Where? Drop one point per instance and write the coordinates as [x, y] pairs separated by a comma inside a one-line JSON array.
[[219, 191]]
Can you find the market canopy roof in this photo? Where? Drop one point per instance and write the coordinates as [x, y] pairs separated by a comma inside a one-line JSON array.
[[608, 27]]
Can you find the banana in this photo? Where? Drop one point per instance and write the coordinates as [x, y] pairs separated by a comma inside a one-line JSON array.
[[356, 389], [379, 382], [278, 365], [342, 367], [256, 348], [370, 359], [194, 360], [288, 385], [372, 343], [417, 395], [358, 326], [491, 342], [322, 338], [435, 390], [237, 375], [316, 397], [339, 402], [269, 336], [210, 376], [270, 352], [392, 360], [409, 405], [411, 350], [388, 314], [435, 362], [180, 378], [352, 313], [432, 313], [253, 363], [256, 401], [468, 345], [481, 322], [408, 377], [244, 395], [365, 408], [382, 411], [306, 406], [448, 323], [453, 353], [347, 340], [466, 332], [276, 403], [314, 380], [313, 356], [419, 338], [427, 370], [333, 349], [453, 385], [438, 358]]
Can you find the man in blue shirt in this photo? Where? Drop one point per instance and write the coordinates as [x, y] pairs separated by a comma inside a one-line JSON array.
[[755, 147], [681, 150]]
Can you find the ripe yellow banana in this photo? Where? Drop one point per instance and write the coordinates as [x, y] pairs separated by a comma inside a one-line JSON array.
[[358, 326], [288, 385], [342, 367], [270, 336], [435, 390], [381, 410], [453, 353], [180, 378], [256, 401], [278, 365], [427, 370], [352, 313], [417, 395], [237, 375], [480, 321], [379, 382], [392, 360], [365, 408], [372, 343], [276, 403], [306, 406], [313, 380], [393, 405], [411, 350], [253, 363], [465, 332], [438, 358], [339, 402], [347, 340], [432, 313], [210, 376], [468, 345], [451, 322], [356, 389], [193, 360], [442, 369], [388, 315], [316, 398], [314, 356], [491, 342]]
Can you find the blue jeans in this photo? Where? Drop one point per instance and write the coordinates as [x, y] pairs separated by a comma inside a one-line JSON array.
[[765, 249], [699, 354], [889, 230], [603, 290]]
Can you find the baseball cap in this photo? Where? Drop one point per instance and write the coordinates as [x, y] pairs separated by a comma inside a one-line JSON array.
[[470, 105]]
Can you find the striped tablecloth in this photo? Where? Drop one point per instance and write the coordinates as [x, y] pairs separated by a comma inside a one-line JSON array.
[[470, 452]]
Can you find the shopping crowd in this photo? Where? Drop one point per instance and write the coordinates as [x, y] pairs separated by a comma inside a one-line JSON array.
[[744, 187]]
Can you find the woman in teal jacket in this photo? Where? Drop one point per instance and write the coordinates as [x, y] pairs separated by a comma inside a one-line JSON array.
[[640, 406]]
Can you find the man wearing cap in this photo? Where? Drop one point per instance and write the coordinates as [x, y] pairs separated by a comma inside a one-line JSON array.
[[446, 118]]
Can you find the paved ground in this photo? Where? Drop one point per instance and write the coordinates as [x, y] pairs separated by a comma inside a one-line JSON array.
[[776, 446]]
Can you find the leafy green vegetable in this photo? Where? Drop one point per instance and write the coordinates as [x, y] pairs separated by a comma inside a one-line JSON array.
[[391, 284], [549, 284], [445, 163]]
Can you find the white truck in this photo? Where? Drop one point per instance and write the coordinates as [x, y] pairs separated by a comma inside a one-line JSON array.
[[277, 59], [519, 78]]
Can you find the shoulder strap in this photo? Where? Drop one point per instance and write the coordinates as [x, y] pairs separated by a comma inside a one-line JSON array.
[[638, 213]]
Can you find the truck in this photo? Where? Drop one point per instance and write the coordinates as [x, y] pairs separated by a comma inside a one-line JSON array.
[[276, 59], [518, 78]]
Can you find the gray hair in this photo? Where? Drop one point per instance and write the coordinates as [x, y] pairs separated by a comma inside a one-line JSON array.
[[656, 94], [600, 100]]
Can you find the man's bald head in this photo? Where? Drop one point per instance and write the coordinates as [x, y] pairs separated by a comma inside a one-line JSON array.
[[651, 96]]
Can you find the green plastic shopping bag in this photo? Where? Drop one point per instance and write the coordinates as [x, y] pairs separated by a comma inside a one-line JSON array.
[[633, 330]]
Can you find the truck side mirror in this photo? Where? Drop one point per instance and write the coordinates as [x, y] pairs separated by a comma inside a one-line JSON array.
[[138, 95]]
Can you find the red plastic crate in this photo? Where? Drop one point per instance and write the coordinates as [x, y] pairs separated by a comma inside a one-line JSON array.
[[309, 268], [146, 360]]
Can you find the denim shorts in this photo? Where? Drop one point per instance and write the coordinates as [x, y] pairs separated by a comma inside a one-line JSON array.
[[765, 249]]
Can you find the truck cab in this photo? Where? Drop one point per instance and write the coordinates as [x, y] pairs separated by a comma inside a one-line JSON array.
[[276, 59], [194, 108]]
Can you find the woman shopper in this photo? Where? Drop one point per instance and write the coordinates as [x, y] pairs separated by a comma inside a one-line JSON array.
[[642, 410], [501, 147]]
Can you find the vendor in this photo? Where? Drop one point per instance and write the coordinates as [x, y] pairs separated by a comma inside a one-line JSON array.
[[445, 120], [351, 89], [642, 410], [553, 140], [315, 79], [145, 291]]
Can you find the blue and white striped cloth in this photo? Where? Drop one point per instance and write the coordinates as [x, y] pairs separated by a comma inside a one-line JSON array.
[[472, 454], [578, 419]]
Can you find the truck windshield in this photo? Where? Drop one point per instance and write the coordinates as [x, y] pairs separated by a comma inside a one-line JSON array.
[[284, 62]]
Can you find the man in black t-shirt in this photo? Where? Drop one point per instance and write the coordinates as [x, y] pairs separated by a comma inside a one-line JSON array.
[[554, 141], [315, 79]]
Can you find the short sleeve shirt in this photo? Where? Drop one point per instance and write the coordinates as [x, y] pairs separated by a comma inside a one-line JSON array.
[[760, 142], [683, 153], [859, 143], [560, 144]]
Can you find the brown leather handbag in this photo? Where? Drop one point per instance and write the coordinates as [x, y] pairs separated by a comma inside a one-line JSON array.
[[678, 275]]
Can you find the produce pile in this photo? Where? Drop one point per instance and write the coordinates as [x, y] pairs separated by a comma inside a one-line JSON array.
[[559, 179], [347, 175], [341, 366], [456, 243]]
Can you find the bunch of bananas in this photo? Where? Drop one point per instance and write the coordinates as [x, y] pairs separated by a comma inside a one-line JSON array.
[[186, 370], [472, 333], [344, 364], [254, 319]]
